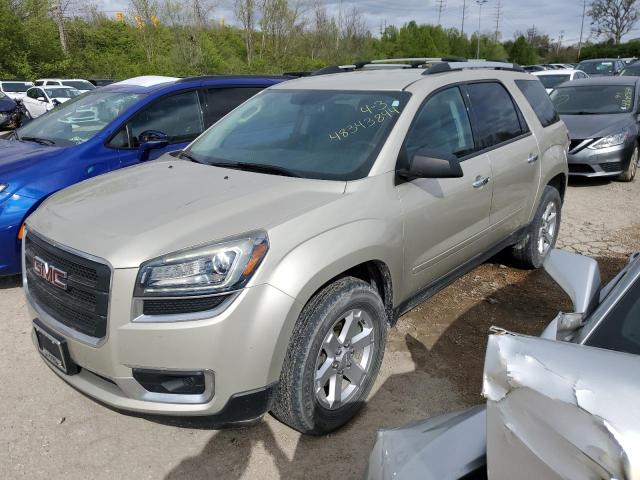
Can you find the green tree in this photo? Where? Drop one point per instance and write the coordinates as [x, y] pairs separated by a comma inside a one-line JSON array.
[[522, 53]]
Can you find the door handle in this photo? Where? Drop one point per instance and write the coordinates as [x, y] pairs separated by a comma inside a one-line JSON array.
[[480, 181], [532, 158]]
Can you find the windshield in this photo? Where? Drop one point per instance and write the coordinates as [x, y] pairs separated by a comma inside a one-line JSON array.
[[596, 68], [78, 120], [15, 87], [79, 84], [633, 71], [552, 81], [596, 99], [331, 135], [61, 92]]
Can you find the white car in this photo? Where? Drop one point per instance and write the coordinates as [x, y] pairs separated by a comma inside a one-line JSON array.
[[552, 78], [77, 83], [39, 100], [14, 89]]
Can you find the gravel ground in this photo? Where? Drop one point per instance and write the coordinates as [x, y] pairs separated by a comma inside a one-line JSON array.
[[433, 364]]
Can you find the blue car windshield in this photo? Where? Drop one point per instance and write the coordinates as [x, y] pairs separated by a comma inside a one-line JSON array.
[[323, 134], [80, 118]]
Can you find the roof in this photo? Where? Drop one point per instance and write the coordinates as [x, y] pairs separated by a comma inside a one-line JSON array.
[[155, 83], [389, 80], [605, 81], [559, 71]]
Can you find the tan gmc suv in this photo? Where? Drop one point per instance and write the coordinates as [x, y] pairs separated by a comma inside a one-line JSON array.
[[259, 269]]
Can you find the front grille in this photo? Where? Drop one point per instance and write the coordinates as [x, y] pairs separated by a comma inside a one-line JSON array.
[[83, 306], [579, 168], [174, 306], [611, 167]]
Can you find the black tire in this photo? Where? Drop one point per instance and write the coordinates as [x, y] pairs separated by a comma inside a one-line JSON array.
[[630, 172], [526, 253], [297, 403]]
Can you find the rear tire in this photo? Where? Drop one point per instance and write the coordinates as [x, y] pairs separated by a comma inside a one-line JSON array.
[[334, 356], [629, 174], [541, 234]]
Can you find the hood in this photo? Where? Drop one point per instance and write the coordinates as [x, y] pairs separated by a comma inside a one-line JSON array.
[[7, 104], [142, 212], [594, 126], [16, 158], [15, 95]]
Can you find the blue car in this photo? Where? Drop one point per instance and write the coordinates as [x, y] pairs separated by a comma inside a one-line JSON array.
[[103, 130]]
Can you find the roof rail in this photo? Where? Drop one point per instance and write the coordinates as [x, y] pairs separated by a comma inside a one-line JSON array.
[[472, 65], [387, 63], [227, 76]]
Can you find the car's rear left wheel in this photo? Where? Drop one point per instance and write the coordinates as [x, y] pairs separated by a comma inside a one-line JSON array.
[[333, 357]]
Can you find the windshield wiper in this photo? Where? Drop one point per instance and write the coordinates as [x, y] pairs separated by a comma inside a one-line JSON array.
[[41, 141], [257, 167], [188, 156]]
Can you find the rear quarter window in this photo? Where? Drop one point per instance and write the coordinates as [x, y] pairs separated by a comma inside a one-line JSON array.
[[539, 100]]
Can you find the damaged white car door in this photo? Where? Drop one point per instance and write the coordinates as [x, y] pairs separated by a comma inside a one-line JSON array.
[[560, 410]]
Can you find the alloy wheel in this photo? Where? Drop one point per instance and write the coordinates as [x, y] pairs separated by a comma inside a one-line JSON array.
[[547, 232], [345, 359]]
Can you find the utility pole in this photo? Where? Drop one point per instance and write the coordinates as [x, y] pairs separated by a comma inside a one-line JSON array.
[[464, 13], [560, 37], [480, 3], [442, 4], [498, 14], [584, 10]]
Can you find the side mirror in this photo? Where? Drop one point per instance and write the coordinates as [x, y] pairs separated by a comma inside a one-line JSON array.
[[151, 140], [42, 99], [427, 163]]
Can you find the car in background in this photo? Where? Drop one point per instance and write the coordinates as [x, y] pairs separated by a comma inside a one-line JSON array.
[[77, 83], [39, 100], [562, 405], [15, 89], [601, 115], [552, 78], [109, 128], [534, 68], [629, 60], [601, 67], [632, 70], [12, 113], [101, 82]]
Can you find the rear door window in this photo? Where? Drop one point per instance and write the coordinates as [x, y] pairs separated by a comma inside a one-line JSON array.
[[496, 117], [539, 100], [442, 125], [221, 101]]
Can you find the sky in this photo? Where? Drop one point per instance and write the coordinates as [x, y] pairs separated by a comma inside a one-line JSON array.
[[552, 17]]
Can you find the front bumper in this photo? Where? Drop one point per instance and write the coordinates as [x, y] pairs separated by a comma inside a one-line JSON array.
[[13, 210], [240, 349], [603, 162]]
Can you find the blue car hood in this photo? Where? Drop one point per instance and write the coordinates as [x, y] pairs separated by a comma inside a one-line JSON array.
[[21, 162]]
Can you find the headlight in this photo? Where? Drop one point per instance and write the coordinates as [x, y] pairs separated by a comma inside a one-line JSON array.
[[611, 140], [3, 187], [214, 268]]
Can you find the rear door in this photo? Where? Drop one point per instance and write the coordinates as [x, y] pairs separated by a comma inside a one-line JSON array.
[[445, 218], [559, 410], [502, 132]]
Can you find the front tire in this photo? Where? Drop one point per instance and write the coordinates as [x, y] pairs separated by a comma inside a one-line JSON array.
[[333, 358], [629, 174], [541, 234]]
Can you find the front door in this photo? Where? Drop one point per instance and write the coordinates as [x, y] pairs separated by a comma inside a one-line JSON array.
[[445, 219], [178, 115]]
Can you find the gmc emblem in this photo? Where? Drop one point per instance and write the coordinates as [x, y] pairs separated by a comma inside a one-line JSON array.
[[51, 274]]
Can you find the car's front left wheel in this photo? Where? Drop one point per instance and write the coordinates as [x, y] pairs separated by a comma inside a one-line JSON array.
[[333, 357], [630, 172]]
